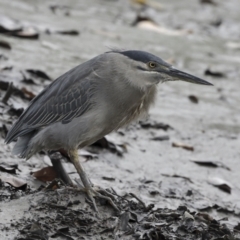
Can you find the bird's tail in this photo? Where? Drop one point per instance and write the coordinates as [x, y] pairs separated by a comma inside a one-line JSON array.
[[23, 146]]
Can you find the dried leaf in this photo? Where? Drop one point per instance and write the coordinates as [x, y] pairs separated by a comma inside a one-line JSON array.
[[208, 2], [204, 216], [69, 32], [28, 33], [15, 91], [123, 221], [5, 44], [221, 184], [108, 178], [177, 176], [154, 125], [147, 23], [160, 138], [28, 94], [28, 81], [212, 73], [193, 99], [8, 25], [15, 112], [184, 146], [214, 164], [15, 182], [3, 131], [88, 155], [38, 73], [120, 149], [46, 174], [237, 227], [9, 168]]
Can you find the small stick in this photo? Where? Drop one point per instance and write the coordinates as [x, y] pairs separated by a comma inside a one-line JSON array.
[[8, 93], [133, 195]]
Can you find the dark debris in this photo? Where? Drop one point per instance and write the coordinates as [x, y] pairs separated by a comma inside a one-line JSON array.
[[58, 214], [155, 125]]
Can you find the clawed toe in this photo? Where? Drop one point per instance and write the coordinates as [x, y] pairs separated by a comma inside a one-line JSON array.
[[96, 192]]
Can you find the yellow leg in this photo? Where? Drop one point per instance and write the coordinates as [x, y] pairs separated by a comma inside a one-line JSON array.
[[73, 154]]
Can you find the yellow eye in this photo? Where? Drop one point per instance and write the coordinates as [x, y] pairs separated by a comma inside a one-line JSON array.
[[152, 64]]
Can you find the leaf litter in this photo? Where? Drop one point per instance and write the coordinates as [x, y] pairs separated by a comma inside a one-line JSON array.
[[63, 214]]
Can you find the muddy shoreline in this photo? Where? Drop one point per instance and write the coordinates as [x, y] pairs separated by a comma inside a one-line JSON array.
[[182, 161]]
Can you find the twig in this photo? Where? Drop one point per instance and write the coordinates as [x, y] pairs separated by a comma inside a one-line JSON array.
[[133, 195], [8, 93]]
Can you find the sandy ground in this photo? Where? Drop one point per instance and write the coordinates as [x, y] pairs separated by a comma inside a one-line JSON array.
[[194, 37]]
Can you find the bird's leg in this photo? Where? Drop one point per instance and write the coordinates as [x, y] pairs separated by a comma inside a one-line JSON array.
[[73, 154]]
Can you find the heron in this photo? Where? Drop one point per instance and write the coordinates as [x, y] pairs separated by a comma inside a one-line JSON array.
[[89, 101]]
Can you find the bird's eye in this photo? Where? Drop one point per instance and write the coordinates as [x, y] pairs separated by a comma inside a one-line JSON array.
[[152, 64]]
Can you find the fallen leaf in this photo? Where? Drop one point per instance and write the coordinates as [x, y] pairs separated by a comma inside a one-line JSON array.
[[177, 176], [160, 138], [9, 168], [204, 217], [4, 85], [154, 192], [9, 25], [28, 33], [193, 99], [46, 174], [69, 32], [217, 74], [23, 93], [63, 8], [208, 2], [5, 44], [146, 181], [123, 221], [140, 18], [28, 94], [28, 81], [3, 131], [216, 23], [38, 73], [108, 178], [88, 155], [237, 228], [148, 24], [15, 182], [154, 125], [221, 184], [184, 146], [120, 149], [214, 164], [15, 112]]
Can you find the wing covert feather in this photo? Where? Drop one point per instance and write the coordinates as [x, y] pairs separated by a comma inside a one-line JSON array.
[[68, 97]]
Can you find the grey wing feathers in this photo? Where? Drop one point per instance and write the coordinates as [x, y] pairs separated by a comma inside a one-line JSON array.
[[66, 98]]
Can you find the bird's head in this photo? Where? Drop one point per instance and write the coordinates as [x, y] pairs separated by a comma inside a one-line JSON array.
[[144, 69]]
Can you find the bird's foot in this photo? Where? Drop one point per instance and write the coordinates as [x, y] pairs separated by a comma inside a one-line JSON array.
[[98, 192]]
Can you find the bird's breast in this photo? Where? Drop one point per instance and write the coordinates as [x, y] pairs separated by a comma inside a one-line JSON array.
[[138, 108]]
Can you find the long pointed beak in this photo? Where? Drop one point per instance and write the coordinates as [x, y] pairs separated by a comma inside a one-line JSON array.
[[183, 76]]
